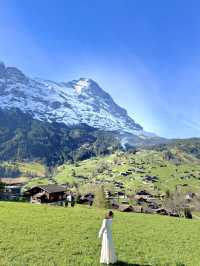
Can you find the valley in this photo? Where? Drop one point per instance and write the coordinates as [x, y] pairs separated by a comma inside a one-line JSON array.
[[148, 170]]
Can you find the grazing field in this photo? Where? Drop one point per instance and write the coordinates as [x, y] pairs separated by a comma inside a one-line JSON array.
[[57, 236]]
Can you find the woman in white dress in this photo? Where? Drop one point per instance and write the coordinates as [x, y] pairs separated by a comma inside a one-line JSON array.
[[108, 255]]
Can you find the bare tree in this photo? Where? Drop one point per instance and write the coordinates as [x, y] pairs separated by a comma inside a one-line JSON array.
[[175, 202]]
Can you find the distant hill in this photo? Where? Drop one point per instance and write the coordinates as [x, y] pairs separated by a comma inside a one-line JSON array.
[[190, 146], [155, 171]]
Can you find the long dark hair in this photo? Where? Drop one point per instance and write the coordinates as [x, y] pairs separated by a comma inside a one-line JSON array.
[[109, 215]]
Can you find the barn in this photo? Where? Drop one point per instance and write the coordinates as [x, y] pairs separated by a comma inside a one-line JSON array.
[[47, 193]]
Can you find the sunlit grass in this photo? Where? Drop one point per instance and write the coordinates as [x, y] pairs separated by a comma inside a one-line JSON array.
[[47, 236]]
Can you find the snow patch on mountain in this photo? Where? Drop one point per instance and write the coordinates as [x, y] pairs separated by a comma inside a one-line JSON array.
[[80, 85], [74, 102]]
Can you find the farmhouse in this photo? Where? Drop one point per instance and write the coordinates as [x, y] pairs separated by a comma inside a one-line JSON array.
[[11, 189], [142, 196], [162, 211], [130, 208], [87, 199], [153, 204], [149, 178], [10, 193], [125, 208], [46, 193], [120, 195], [144, 193]]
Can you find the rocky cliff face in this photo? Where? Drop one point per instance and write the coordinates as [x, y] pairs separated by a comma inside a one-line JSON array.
[[72, 103]]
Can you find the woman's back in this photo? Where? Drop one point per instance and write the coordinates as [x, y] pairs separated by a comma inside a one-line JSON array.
[[108, 223], [107, 250]]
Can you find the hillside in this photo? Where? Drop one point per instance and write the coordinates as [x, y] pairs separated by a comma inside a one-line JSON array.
[[145, 169], [190, 146], [24, 138], [49, 236]]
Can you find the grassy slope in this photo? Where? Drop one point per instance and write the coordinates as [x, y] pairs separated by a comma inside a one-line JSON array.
[[27, 169], [34, 168], [49, 236], [169, 175]]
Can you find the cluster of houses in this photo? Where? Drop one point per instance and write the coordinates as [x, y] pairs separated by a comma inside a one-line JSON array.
[[140, 202], [143, 202]]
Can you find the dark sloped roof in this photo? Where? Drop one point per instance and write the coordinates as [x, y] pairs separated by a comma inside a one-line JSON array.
[[123, 208], [50, 188], [53, 188]]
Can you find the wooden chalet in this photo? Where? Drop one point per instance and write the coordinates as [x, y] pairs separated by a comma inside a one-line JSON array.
[[142, 196], [143, 193], [162, 211], [46, 193], [11, 189], [125, 208], [87, 199], [120, 194], [138, 209], [130, 208], [149, 178], [10, 193]]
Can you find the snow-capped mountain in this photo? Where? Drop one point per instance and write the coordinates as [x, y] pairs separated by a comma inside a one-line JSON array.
[[75, 102]]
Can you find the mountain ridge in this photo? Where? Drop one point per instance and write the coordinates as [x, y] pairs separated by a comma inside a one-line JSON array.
[[74, 102]]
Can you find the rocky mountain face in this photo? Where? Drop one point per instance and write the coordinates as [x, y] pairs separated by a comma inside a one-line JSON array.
[[77, 102]]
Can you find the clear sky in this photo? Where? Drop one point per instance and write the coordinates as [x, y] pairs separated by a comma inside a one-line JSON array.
[[145, 53]]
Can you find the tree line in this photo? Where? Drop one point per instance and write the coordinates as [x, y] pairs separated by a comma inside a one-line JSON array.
[[24, 138], [7, 171]]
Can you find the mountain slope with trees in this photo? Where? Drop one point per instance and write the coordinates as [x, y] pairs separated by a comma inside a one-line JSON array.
[[25, 138]]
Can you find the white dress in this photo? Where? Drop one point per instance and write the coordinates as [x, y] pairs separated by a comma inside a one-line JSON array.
[[107, 250]]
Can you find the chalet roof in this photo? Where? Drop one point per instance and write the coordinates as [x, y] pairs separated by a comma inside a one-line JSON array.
[[50, 188], [141, 197], [143, 192], [162, 211], [53, 188], [124, 208], [88, 195]]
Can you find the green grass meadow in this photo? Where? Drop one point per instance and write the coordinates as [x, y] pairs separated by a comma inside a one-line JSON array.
[[58, 236]]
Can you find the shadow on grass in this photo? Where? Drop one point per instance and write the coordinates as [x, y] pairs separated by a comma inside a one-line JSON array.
[[122, 263]]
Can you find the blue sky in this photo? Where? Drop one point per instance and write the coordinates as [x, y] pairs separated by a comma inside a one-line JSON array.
[[146, 54]]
